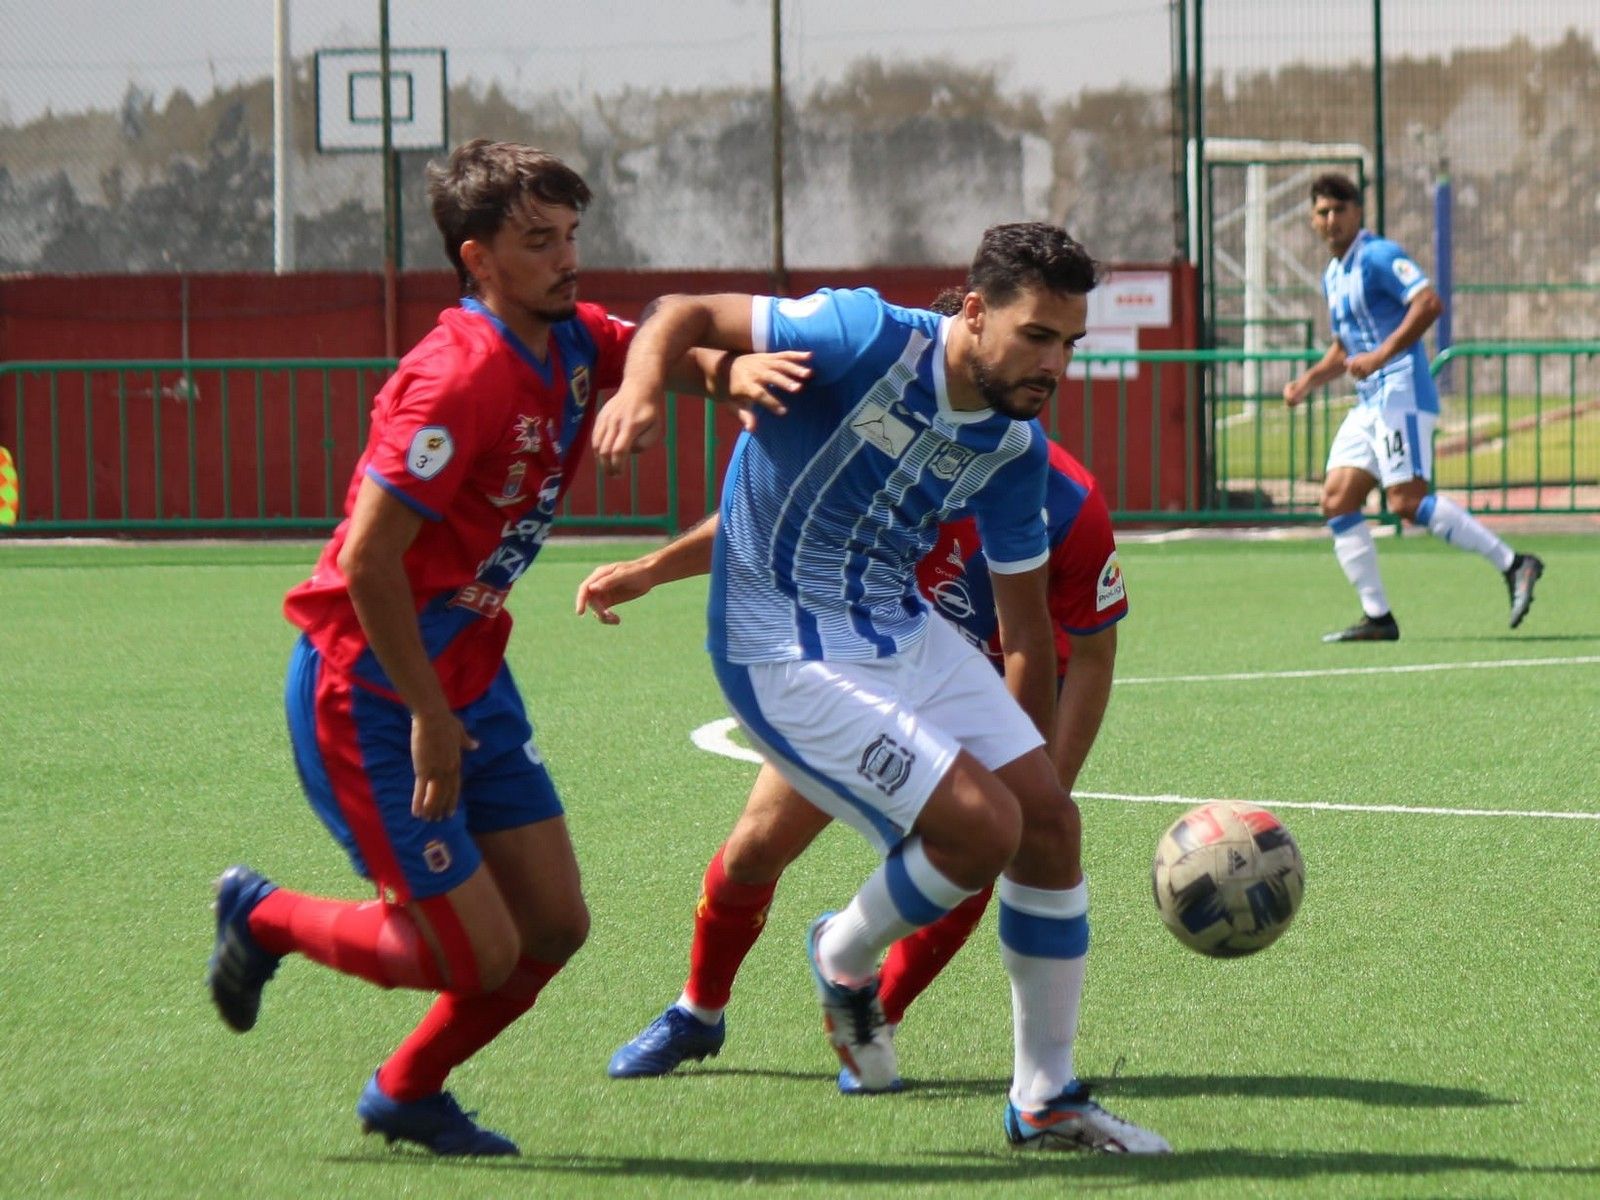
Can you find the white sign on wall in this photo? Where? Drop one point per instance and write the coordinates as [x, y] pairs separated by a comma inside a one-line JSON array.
[[350, 99], [1106, 340], [1132, 298]]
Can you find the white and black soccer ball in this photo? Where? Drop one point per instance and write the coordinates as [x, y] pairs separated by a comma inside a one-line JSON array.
[[1228, 878]]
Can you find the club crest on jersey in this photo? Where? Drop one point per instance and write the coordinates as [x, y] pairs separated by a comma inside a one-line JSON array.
[[431, 449], [950, 462], [511, 490], [882, 430], [579, 382], [1110, 588], [886, 764]]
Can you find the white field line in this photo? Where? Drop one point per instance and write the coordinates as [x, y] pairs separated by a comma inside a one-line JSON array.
[[713, 738], [1326, 672]]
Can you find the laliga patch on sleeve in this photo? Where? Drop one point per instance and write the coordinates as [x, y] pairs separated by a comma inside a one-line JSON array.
[[1110, 588], [431, 449], [1406, 271], [804, 307]]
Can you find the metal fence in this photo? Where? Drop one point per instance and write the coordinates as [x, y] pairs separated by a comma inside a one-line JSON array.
[[231, 446], [239, 446]]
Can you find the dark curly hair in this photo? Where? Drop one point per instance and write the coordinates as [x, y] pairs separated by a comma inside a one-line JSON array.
[[483, 182]]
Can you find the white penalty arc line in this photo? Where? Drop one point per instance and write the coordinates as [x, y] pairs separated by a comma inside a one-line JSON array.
[[1581, 660], [713, 738]]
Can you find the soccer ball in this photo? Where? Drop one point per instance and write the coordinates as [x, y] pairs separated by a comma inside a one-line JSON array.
[[1228, 878]]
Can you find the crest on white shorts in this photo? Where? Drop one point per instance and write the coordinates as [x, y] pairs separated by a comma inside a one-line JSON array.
[[886, 764]]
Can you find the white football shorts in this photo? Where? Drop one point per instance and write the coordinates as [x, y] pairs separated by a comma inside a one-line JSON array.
[[1392, 445], [867, 742]]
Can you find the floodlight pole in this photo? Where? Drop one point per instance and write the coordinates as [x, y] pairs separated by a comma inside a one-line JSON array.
[[282, 141], [1380, 155], [391, 316], [780, 271]]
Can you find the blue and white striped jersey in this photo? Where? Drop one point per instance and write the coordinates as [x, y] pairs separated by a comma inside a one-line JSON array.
[[826, 510], [1368, 291]]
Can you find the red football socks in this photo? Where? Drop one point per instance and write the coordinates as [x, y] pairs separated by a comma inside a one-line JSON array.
[[727, 922], [375, 941], [456, 1028], [915, 959]]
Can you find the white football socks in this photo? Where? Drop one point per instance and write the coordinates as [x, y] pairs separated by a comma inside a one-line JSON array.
[[904, 894], [1358, 555], [1045, 988], [1448, 520]]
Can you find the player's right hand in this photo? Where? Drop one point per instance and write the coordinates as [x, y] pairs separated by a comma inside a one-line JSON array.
[[630, 422], [608, 586], [436, 746], [756, 382], [1293, 392]]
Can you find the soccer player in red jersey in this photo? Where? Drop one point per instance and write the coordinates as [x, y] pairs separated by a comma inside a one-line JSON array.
[[1087, 598], [409, 735]]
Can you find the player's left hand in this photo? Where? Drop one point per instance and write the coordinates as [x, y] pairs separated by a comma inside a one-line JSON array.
[[1361, 366], [610, 585], [630, 422]]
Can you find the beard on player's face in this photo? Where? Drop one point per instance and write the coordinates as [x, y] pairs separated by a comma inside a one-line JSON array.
[[1012, 397]]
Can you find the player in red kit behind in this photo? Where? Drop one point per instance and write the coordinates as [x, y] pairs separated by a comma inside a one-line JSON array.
[[1087, 598], [409, 735]]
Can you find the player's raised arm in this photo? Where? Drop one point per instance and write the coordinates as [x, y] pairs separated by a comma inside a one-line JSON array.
[[631, 420], [618, 582]]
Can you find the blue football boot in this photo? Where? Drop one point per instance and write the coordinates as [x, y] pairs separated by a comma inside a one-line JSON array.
[[239, 967], [672, 1037], [435, 1122]]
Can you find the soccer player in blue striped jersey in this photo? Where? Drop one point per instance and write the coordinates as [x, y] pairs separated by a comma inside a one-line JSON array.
[[878, 714], [1380, 304]]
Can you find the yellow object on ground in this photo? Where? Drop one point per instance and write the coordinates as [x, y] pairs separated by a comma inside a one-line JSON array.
[[8, 488]]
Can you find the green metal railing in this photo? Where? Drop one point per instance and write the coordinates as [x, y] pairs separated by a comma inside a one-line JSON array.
[[226, 444], [1197, 436], [1527, 438]]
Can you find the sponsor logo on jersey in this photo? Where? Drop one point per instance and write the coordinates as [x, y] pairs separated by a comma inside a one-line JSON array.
[[1110, 588], [950, 462], [579, 381], [882, 430], [480, 598], [431, 449], [530, 437], [437, 855], [886, 764], [1406, 271], [953, 599]]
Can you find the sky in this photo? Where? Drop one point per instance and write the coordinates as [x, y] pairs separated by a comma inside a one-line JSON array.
[[70, 55]]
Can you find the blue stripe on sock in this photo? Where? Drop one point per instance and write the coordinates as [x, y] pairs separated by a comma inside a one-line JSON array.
[[1347, 522], [1043, 937], [1425, 510], [915, 907]]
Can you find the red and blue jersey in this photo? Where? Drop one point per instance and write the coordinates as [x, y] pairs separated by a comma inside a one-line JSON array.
[[480, 438], [1087, 592]]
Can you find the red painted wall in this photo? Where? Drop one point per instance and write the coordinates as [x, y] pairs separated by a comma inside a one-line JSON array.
[[123, 441]]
